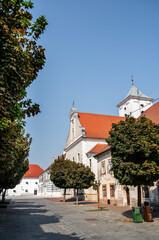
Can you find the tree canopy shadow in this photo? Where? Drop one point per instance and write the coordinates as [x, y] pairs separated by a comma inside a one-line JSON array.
[[127, 214], [31, 222]]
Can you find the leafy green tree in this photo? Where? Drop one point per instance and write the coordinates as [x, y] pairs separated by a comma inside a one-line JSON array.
[[13, 155], [20, 61], [82, 177], [21, 58], [68, 174], [61, 174], [135, 152]]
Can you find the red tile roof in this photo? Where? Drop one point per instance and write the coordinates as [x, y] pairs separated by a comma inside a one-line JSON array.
[[63, 155], [152, 113], [33, 172], [96, 125], [102, 151], [49, 166], [97, 148]]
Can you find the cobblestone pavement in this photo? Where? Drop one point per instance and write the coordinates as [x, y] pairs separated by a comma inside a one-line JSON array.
[[31, 219]]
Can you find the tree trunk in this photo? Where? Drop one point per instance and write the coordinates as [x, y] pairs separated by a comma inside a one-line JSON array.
[[77, 197], [64, 195], [3, 196], [139, 195], [98, 196]]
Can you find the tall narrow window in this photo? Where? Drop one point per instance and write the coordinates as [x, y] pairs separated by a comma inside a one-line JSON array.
[[112, 190], [103, 168], [90, 163], [109, 167], [78, 157], [104, 190], [73, 134]]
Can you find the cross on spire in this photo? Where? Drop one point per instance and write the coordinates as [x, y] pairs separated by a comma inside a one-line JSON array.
[[73, 104], [132, 79]]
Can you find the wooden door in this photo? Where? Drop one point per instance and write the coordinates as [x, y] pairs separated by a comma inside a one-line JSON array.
[[35, 192]]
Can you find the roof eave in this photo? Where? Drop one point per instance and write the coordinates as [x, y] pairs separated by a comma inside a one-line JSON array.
[[100, 153]]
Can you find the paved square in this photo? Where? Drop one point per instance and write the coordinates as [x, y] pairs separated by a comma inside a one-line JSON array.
[[28, 219]]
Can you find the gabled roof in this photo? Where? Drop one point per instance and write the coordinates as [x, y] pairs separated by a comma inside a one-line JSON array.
[[33, 172], [152, 113], [97, 148], [96, 125]]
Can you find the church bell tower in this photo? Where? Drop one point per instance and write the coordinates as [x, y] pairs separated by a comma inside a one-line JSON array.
[[134, 103]]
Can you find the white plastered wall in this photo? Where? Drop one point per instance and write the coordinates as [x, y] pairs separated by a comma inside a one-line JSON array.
[[134, 107], [26, 187], [83, 146]]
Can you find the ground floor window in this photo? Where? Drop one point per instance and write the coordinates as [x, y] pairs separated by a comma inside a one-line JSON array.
[[104, 190], [112, 190]]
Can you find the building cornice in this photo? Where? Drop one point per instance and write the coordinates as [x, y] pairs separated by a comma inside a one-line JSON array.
[[72, 144], [134, 97]]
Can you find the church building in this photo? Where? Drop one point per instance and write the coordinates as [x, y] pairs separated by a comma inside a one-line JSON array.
[[86, 143]]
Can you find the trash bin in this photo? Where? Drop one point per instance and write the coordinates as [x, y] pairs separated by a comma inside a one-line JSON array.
[[108, 201], [137, 217], [148, 214]]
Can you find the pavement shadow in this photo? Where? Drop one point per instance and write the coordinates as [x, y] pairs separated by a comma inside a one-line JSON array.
[[58, 236], [27, 206], [69, 200], [155, 213], [127, 214], [30, 221], [85, 203]]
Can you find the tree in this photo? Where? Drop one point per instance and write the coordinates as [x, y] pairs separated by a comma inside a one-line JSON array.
[[61, 174], [21, 58], [83, 178], [20, 61], [68, 174], [135, 152], [14, 153]]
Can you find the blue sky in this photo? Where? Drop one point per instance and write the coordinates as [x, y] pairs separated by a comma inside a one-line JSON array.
[[92, 49]]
